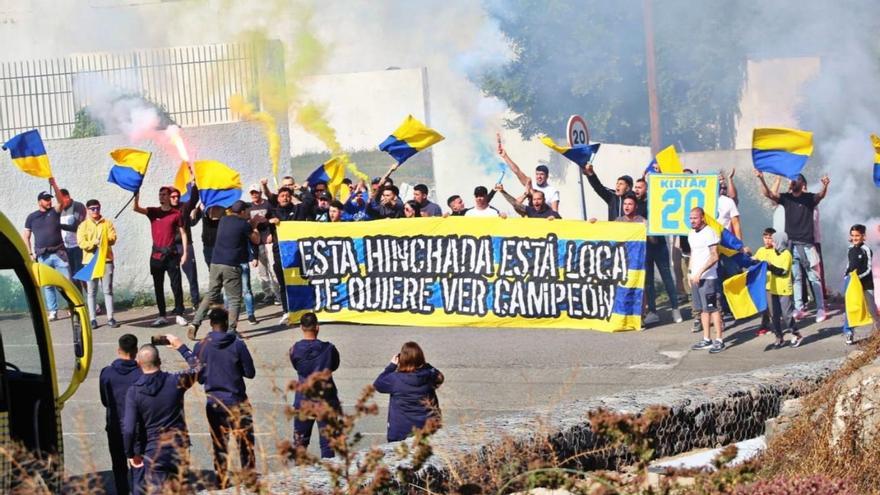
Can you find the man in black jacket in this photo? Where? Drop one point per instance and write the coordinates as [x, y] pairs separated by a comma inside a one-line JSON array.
[[285, 211], [226, 362], [114, 383], [613, 197]]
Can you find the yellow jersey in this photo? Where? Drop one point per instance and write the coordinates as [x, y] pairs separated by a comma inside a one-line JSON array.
[[779, 285]]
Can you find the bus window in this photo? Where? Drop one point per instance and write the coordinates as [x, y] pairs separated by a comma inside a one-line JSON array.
[[17, 326]]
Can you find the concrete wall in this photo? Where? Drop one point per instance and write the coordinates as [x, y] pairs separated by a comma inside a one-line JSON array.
[[82, 165]]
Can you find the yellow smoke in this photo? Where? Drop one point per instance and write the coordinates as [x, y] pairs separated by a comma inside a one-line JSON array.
[[239, 105]]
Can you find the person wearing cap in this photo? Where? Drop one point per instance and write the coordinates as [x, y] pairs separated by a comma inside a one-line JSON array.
[[612, 197], [259, 211], [322, 207], [48, 247], [88, 236], [165, 223], [232, 248], [542, 173], [72, 214], [481, 205], [428, 209]]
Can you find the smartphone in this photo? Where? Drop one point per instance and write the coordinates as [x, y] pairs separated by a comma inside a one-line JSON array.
[[159, 340]]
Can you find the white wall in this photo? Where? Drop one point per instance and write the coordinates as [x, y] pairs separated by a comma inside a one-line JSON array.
[[82, 165]]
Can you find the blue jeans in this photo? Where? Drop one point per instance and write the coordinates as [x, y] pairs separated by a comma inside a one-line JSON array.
[[800, 264], [246, 292], [58, 262], [658, 254]]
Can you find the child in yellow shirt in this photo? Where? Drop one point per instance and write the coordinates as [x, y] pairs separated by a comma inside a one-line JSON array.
[[779, 289]]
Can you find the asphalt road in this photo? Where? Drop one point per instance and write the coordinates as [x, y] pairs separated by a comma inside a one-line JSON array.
[[488, 371]]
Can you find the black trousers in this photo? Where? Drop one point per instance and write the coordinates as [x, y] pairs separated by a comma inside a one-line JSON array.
[[118, 460], [279, 274], [192, 275], [158, 269], [237, 420]]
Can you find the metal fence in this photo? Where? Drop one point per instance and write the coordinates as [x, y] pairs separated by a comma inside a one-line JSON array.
[[191, 83]]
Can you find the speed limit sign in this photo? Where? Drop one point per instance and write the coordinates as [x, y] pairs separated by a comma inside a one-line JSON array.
[[578, 133]]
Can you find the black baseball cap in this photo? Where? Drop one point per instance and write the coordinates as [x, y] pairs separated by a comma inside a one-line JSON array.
[[325, 195], [480, 191], [238, 207], [44, 195]]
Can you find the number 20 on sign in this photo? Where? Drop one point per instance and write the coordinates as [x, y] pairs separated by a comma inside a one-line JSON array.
[[671, 197]]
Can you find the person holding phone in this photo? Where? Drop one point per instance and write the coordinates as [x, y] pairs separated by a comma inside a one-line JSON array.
[[412, 384]]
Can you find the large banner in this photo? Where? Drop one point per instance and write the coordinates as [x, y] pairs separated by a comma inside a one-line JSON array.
[[456, 271], [671, 197]]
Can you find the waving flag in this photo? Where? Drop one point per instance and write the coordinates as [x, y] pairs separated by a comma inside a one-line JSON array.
[[411, 137], [729, 245], [29, 154], [131, 166], [667, 161], [95, 267], [580, 154], [856, 313], [875, 140], [219, 185], [183, 181], [746, 292], [781, 151], [332, 172]]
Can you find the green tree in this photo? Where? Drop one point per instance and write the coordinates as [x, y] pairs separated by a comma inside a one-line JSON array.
[[588, 57]]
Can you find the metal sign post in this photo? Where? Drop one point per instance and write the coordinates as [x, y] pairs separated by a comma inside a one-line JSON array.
[[578, 133]]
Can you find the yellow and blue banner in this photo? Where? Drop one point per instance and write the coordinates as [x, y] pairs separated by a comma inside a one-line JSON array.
[[183, 181], [875, 141], [671, 198], [411, 137], [95, 267], [580, 154], [484, 272], [29, 154], [131, 166], [856, 311], [781, 151], [331, 172], [746, 292], [219, 185]]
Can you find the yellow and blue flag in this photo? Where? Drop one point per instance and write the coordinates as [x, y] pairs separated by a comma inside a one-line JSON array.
[[746, 292], [29, 154], [95, 267], [331, 172], [183, 182], [875, 140], [781, 151], [219, 185], [581, 154], [131, 166], [668, 162], [856, 313], [411, 137], [728, 244]]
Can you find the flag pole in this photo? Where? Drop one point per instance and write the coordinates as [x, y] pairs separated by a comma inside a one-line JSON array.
[[126, 206]]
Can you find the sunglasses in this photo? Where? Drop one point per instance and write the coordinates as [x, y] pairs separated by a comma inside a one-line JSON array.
[[175, 196]]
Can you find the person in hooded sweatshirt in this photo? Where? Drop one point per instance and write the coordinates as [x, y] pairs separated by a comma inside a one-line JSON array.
[[412, 384], [154, 407], [114, 382], [310, 355], [226, 362]]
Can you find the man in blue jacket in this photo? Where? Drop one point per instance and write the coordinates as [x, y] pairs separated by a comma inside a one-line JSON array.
[[310, 355], [226, 362], [154, 406], [114, 382]]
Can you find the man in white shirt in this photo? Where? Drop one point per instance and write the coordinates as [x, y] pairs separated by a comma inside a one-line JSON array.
[[542, 173], [703, 275], [481, 205]]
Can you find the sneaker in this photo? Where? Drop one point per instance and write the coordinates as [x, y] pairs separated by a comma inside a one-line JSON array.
[[94, 324], [180, 320], [159, 322], [717, 346], [276, 302], [799, 314], [850, 340], [112, 323], [797, 340], [702, 344], [651, 318], [191, 331], [779, 344], [676, 316], [285, 320], [53, 315], [697, 327], [821, 316], [762, 331], [252, 319]]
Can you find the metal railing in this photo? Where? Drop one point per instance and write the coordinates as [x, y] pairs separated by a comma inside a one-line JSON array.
[[191, 83]]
